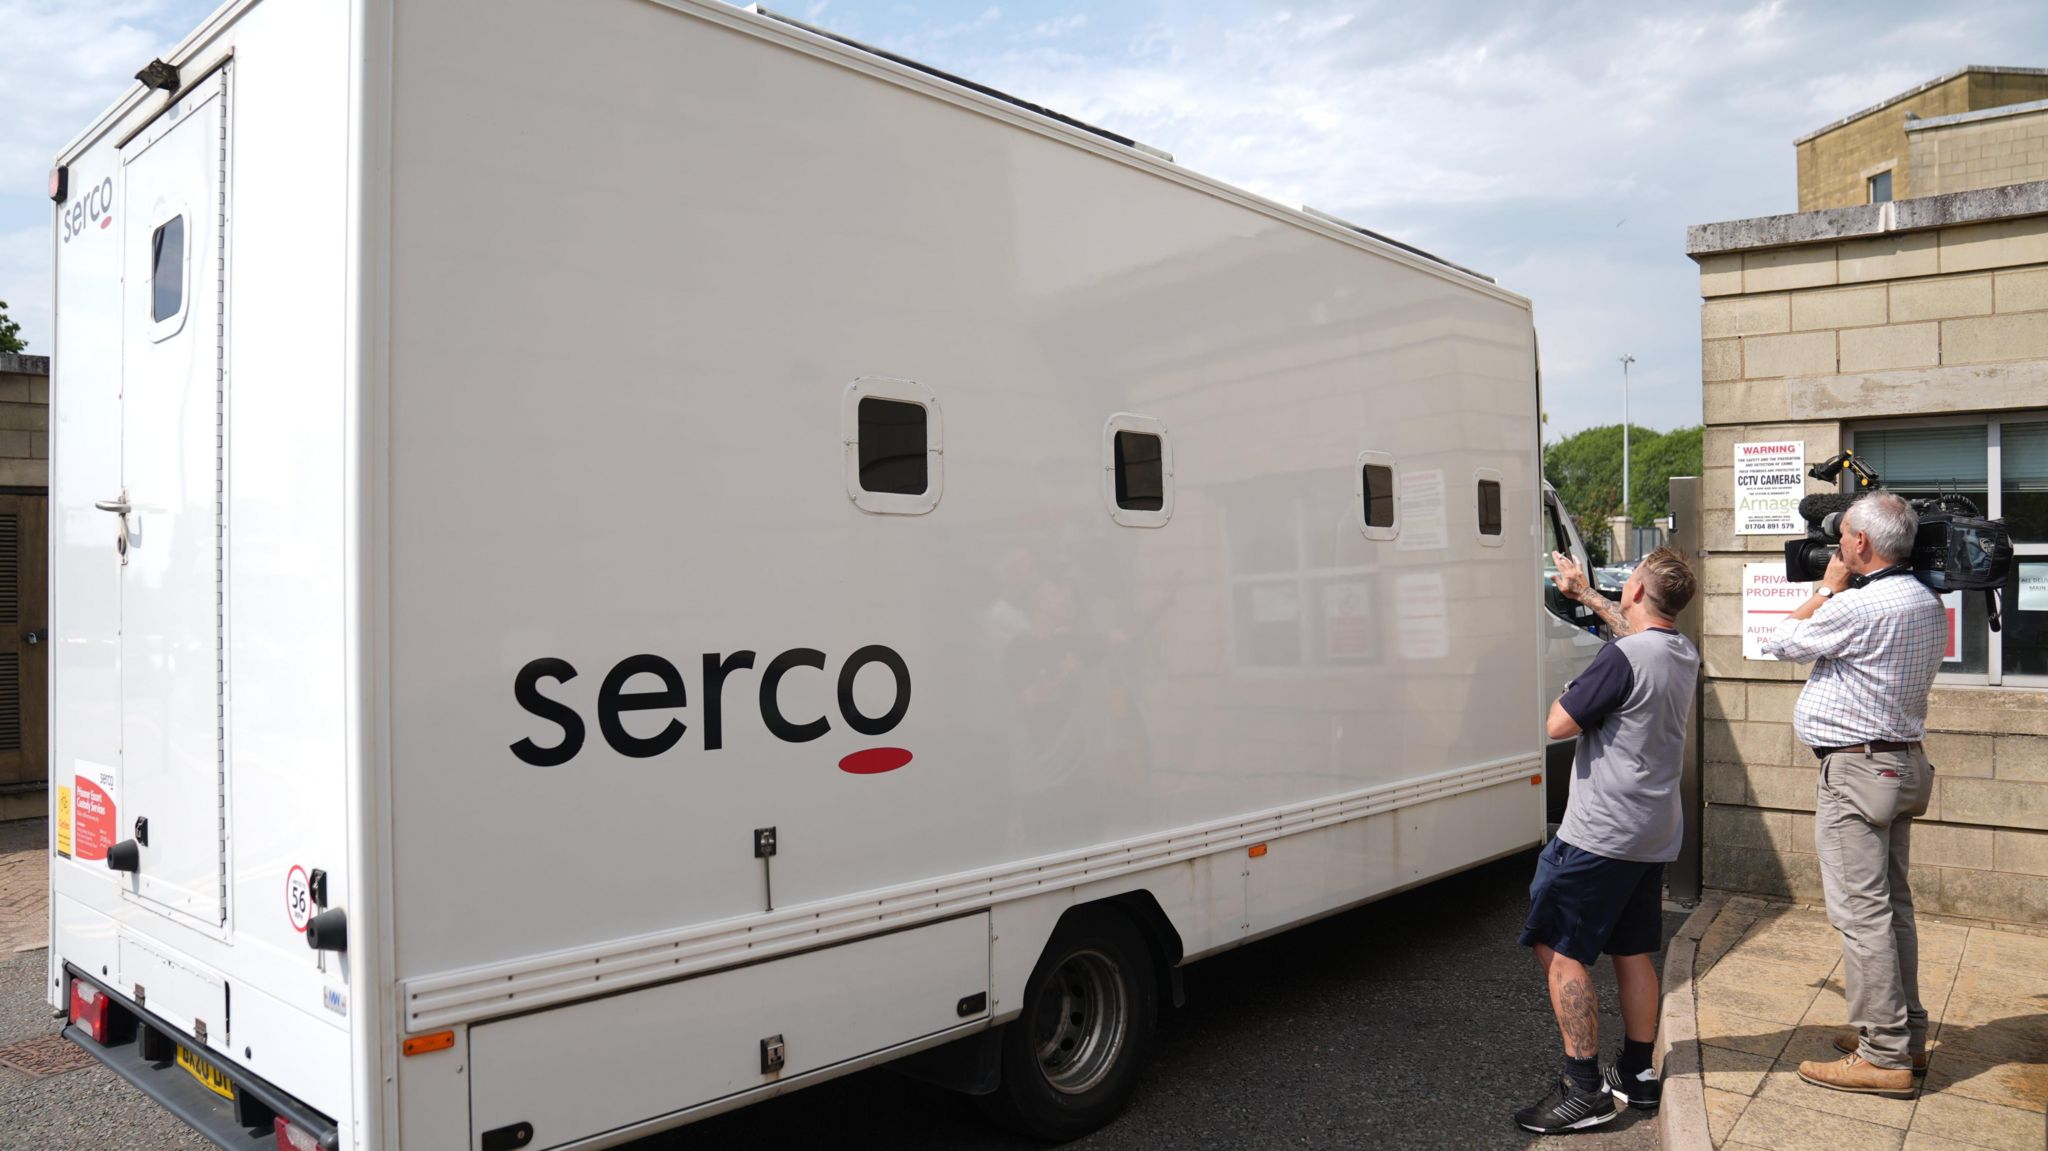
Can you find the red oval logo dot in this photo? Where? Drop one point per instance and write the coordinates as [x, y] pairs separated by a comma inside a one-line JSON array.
[[874, 760]]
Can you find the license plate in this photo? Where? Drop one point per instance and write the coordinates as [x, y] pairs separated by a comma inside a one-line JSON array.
[[209, 1076]]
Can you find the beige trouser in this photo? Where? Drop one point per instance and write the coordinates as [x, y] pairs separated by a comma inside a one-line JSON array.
[[1863, 827]]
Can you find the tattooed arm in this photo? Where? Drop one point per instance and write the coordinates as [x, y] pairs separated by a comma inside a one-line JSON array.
[[1571, 580]]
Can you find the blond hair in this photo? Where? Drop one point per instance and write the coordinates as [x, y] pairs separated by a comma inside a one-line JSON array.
[[1668, 582]]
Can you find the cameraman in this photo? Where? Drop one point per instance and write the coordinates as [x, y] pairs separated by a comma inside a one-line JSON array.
[[1876, 636]]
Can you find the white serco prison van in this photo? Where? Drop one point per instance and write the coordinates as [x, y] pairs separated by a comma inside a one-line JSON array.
[[615, 559]]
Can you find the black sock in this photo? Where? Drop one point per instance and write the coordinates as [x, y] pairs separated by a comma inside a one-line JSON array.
[[1584, 1073], [1635, 1057]]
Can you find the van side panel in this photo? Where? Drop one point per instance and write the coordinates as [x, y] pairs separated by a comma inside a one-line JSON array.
[[285, 1009], [624, 319]]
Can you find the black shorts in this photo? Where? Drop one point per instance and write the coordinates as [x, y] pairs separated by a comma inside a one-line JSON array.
[[1581, 904]]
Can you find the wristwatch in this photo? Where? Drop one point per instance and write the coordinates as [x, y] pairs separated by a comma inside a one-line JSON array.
[[1824, 591]]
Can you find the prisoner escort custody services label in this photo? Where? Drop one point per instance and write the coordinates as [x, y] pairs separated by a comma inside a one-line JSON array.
[[1769, 480], [1767, 598], [95, 812]]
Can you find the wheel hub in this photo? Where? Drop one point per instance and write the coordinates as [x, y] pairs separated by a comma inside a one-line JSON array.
[[1082, 1018]]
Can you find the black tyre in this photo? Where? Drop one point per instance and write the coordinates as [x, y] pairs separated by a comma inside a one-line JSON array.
[[1072, 1059]]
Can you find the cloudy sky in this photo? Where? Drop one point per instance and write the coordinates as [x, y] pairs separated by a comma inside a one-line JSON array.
[[1561, 147]]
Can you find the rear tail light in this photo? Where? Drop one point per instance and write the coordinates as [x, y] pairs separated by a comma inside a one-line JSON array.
[[291, 1137], [91, 1009]]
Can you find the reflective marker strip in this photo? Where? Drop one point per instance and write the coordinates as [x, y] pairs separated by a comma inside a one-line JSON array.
[[438, 1041]]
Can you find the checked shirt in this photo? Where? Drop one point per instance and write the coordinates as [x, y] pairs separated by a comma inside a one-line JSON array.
[[1875, 650]]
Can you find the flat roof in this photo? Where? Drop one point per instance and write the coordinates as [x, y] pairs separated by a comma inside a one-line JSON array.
[[1863, 220], [1881, 105]]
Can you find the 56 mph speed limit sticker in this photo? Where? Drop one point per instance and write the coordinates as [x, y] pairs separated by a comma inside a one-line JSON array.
[[298, 898]]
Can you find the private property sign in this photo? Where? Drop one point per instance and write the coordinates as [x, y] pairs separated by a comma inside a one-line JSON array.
[[1769, 479], [1767, 598]]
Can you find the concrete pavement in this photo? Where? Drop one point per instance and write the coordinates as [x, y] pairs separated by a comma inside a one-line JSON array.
[[24, 886], [1769, 994]]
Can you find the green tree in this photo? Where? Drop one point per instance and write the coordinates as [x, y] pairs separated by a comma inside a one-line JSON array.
[[10, 332], [1585, 468]]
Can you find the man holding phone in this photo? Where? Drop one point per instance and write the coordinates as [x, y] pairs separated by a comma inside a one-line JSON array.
[[1599, 885]]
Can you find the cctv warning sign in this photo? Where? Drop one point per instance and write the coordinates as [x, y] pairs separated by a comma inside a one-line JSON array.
[[1769, 479]]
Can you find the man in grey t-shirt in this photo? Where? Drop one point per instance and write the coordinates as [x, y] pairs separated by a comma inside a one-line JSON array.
[[1599, 885]]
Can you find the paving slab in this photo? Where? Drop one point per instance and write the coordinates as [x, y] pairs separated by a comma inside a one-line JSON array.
[[1985, 988], [2006, 951], [1723, 1109], [2004, 1082], [1720, 1027], [1979, 1124], [1785, 1127], [24, 886], [1736, 1072]]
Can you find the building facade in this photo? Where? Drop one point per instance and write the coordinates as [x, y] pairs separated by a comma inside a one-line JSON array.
[[1972, 150], [1867, 157], [24, 600], [1915, 333]]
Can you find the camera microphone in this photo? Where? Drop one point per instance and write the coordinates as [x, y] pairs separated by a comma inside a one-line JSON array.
[[1815, 508]]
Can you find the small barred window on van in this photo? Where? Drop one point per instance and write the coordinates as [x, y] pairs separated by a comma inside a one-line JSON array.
[[1379, 496], [893, 455], [1140, 472], [1489, 508], [167, 269]]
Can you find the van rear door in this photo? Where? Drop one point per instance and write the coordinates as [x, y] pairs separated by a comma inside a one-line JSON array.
[[169, 507]]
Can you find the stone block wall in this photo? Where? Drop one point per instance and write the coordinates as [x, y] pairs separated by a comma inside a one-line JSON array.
[[1798, 340], [1979, 149], [1835, 161], [24, 421]]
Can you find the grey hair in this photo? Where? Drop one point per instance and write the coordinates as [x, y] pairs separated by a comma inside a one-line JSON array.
[[1889, 521]]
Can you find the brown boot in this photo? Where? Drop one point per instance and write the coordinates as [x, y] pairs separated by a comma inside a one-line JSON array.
[[1850, 1043], [1853, 1074]]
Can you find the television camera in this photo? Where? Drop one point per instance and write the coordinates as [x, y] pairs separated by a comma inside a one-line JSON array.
[[1956, 549]]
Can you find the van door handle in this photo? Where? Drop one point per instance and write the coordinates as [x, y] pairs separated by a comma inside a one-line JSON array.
[[118, 507]]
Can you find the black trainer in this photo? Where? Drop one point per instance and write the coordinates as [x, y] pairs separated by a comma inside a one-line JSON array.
[[1642, 1091], [1566, 1109]]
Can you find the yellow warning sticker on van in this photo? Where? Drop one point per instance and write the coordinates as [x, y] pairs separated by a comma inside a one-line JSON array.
[[64, 821]]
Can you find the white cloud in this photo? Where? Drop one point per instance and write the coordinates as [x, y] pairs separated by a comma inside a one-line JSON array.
[[1512, 137], [25, 283], [1060, 26], [66, 63], [1508, 136]]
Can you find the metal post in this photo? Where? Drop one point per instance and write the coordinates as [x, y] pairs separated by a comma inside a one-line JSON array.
[[1684, 876], [1628, 546]]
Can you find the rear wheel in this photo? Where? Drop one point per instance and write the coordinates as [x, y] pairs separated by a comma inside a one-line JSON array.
[[1072, 1059]]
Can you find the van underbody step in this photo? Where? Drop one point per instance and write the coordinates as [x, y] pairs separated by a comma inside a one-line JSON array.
[[144, 1053]]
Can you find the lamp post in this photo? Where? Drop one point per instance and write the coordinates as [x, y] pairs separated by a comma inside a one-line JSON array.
[[1629, 544]]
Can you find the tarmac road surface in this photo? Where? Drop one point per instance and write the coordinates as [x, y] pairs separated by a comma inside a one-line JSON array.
[[1416, 1022], [1412, 1023]]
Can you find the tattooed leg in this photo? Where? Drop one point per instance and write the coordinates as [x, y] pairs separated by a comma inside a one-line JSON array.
[[1577, 1005]]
